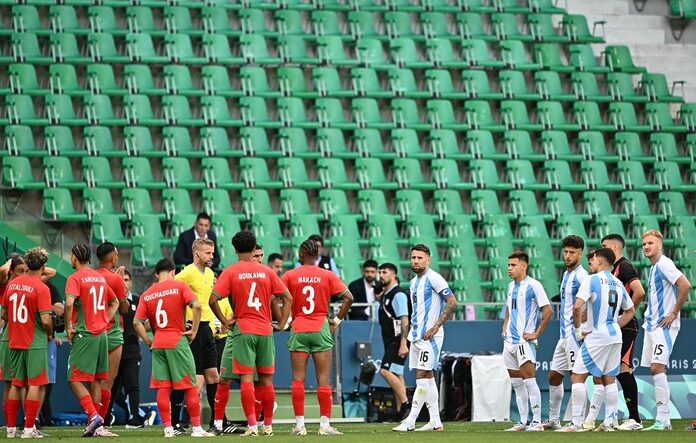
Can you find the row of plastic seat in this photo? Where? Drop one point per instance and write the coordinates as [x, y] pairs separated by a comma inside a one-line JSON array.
[[369, 173], [331, 82], [327, 50], [685, 9], [354, 25], [331, 113], [100, 141]]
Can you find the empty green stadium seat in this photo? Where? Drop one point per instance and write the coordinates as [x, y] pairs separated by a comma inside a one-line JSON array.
[[58, 206], [99, 201], [575, 27], [138, 201], [137, 172], [59, 141], [23, 80], [97, 172], [446, 174], [58, 172], [107, 227], [332, 174], [618, 58], [17, 174], [146, 251]]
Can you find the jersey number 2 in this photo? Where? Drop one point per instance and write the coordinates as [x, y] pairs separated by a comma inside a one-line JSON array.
[[20, 313], [253, 302], [308, 291], [97, 301]]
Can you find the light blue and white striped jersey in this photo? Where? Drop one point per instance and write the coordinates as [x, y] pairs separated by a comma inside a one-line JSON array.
[[662, 293], [523, 303], [569, 289], [428, 294], [604, 295]]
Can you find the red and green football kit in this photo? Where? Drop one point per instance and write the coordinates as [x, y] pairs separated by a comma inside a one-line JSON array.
[[114, 331]]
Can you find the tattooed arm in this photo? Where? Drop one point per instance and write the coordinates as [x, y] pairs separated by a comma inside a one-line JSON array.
[[450, 307]]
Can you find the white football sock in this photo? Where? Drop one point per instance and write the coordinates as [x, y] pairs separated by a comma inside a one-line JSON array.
[[522, 398], [217, 424], [534, 398], [434, 403], [324, 422], [299, 421], [611, 403], [579, 393], [555, 401], [662, 397], [596, 402], [419, 400]]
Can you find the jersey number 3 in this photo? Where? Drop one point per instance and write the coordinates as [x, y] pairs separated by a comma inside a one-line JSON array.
[[308, 291]]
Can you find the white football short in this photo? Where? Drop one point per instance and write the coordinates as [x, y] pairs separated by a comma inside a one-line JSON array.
[[515, 356], [565, 354], [657, 346], [425, 354], [598, 360]]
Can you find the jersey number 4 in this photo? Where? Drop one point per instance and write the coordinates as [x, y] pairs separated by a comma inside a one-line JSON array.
[[20, 313], [253, 301]]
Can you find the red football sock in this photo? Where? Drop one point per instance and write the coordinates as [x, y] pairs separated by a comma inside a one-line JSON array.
[[88, 406], [11, 410], [164, 407], [248, 402], [105, 398], [298, 396], [267, 397], [258, 406], [324, 397], [31, 410], [222, 396], [193, 406]]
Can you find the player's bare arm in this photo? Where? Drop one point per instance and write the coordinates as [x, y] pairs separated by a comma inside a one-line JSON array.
[[139, 328], [505, 322], [346, 302], [47, 324], [4, 317], [447, 311], [287, 309], [123, 306], [626, 317], [276, 311], [405, 327], [113, 307], [47, 274], [197, 311], [637, 292], [545, 317], [215, 307], [69, 305], [578, 312], [683, 287], [5, 270]]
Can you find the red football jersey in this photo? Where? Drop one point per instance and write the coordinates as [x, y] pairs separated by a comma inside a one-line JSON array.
[[117, 285], [250, 285], [164, 305], [92, 296], [25, 299], [311, 288]]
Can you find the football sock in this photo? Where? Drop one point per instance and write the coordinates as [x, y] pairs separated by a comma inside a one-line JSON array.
[[11, 410], [595, 403], [210, 391], [222, 396], [630, 393], [267, 397], [522, 398], [177, 399], [579, 397], [31, 410], [611, 403], [248, 402], [324, 398], [298, 397], [534, 398], [555, 401], [433, 402], [193, 406], [164, 406], [661, 397], [87, 406], [419, 399], [105, 398]]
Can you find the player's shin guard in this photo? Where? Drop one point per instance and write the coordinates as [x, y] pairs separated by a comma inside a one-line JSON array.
[[534, 398], [661, 397], [555, 401], [611, 403], [88, 406], [630, 393], [31, 410], [324, 398], [596, 402], [522, 398], [267, 397], [298, 397], [164, 406], [249, 402], [419, 399], [579, 393], [222, 396], [11, 410], [105, 399], [193, 406]]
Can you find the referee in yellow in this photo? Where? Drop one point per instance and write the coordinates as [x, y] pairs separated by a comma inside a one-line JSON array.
[[200, 278]]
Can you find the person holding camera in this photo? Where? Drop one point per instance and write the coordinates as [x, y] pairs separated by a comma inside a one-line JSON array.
[[363, 290]]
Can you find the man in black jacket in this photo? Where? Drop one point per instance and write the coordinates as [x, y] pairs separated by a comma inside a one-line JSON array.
[[183, 254], [363, 290]]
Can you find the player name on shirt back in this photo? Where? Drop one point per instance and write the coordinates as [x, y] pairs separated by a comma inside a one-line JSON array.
[[309, 280], [93, 279], [160, 294], [19, 287], [250, 275]]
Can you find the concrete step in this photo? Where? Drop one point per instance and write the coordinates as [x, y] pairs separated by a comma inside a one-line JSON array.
[[633, 36], [628, 21], [604, 7]]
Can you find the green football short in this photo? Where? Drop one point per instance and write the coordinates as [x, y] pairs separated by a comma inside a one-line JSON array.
[[173, 367], [89, 357], [311, 342], [29, 367], [114, 337], [5, 361], [226, 365], [251, 351]]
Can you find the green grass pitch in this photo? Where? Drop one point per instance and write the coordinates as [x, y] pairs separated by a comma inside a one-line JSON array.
[[455, 432]]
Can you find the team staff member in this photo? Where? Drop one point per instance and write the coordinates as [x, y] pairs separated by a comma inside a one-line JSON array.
[[200, 278], [393, 319]]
